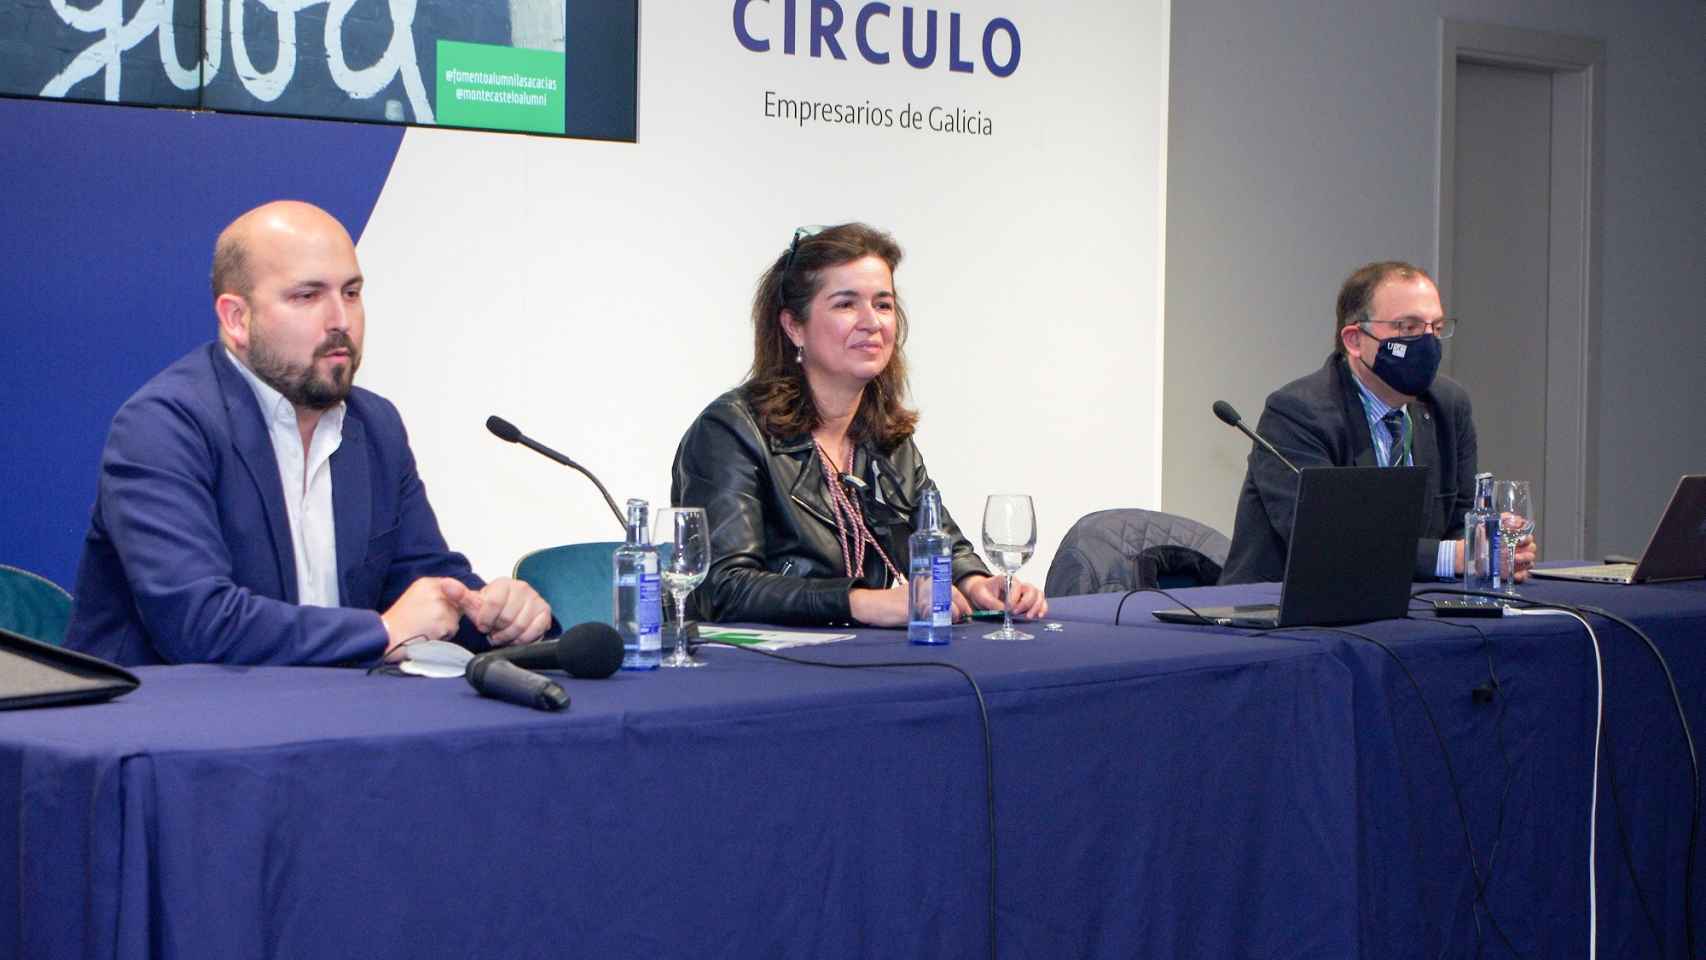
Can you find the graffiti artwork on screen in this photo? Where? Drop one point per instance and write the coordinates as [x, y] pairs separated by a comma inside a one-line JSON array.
[[488, 64]]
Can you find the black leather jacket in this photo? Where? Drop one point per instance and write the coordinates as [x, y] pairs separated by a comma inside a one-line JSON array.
[[775, 557]]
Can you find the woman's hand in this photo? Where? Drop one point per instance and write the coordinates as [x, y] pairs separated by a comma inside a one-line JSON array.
[[880, 608], [890, 608], [986, 593]]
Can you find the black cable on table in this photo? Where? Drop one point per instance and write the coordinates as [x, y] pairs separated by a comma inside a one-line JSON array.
[[1498, 732], [1493, 686], [1450, 772], [1693, 766], [983, 717], [1204, 621], [1687, 736], [1629, 852], [1456, 793]]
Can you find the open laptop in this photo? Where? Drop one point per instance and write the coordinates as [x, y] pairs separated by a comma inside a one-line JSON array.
[[1352, 552], [1677, 550]]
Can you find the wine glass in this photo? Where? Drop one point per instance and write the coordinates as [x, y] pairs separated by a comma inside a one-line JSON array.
[[683, 528], [1514, 503], [1009, 536]]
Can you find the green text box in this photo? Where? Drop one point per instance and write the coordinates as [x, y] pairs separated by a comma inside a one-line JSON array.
[[499, 88]]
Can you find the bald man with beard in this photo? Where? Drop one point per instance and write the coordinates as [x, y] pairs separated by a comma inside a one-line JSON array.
[[256, 507]]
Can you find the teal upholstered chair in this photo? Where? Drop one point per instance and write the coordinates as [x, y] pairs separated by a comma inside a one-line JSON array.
[[575, 580], [33, 606]]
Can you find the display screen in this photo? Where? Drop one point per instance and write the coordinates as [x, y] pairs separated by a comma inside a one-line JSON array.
[[559, 67]]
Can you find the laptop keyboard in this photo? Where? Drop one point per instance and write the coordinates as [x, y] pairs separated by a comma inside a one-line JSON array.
[[1620, 572]]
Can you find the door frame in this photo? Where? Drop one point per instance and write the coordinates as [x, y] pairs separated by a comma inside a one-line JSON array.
[[1577, 68]]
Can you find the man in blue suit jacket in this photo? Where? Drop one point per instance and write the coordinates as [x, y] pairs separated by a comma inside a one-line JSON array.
[[203, 548]]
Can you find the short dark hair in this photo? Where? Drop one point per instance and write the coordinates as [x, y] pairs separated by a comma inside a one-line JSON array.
[[1357, 292], [231, 267], [776, 384]]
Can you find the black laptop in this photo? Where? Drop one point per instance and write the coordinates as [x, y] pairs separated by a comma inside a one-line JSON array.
[[1677, 550], [38, 674], [1352, 553]]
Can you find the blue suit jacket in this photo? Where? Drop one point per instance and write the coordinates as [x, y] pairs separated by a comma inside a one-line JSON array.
[[189, 557]]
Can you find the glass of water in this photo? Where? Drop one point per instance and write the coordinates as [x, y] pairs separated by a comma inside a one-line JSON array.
[[1009, 537], [1513, 501], [683, 528]]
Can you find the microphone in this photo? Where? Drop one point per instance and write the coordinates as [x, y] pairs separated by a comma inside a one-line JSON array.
[[1230, 417], [509, 433], [506, 681], [590, 651]]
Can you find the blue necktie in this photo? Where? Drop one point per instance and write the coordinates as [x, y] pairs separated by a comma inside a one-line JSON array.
[[1394, 421]]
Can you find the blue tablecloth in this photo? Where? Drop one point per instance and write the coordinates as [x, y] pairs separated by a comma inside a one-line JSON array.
[[1158, 793], [1522, 765]]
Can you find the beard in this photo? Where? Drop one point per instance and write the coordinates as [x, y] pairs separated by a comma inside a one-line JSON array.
[[302, 384]]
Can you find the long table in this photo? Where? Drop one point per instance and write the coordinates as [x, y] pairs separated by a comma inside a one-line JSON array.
[[1156, 793], [1520, 765]]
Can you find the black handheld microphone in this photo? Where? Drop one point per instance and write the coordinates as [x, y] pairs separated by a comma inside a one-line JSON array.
[[1230, 417], [590, 651], [509, 433], [505, 681]]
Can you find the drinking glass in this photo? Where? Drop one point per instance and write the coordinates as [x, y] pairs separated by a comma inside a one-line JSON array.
[[1009, 536], [1514, 503], [683, 528]]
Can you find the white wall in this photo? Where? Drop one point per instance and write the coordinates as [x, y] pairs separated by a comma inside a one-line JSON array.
[[1304, 141], [597, 294]]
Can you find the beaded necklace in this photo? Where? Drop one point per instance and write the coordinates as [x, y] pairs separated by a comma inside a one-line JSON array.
[[850, 526]]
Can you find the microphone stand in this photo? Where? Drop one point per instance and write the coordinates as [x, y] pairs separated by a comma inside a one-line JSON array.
[[506, 431]]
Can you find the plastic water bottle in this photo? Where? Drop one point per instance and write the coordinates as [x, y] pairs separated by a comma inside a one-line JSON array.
[[930, 574], [638, 597], [1481, 534]]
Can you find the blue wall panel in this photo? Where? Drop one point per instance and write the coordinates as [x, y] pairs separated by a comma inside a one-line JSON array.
[[109, 216]]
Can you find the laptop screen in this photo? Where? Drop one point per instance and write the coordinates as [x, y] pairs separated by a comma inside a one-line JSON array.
[[1353, 544]]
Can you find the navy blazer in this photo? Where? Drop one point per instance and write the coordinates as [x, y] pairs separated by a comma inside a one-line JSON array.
[[1319, 420], [189, 558]]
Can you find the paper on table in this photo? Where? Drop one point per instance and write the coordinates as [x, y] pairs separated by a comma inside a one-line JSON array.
[[438, 659], [771, 640]]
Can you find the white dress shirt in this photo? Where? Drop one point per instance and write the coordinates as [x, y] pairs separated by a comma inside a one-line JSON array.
[[307, 484]]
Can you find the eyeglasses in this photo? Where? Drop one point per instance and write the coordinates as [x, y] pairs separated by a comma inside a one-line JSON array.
[[1413, 327], [800, 233]]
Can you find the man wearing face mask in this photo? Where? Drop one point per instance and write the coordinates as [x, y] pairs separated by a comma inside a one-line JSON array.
[[1377, 401]]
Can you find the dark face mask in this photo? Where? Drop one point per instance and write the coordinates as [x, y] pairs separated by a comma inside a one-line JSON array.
[[1407, 364]]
